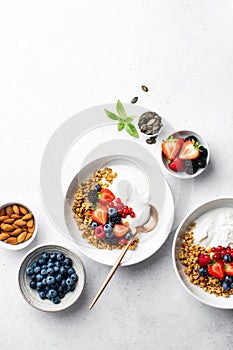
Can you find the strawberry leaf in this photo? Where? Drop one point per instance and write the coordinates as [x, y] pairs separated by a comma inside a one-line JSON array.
[[111, 115], [120, 109]]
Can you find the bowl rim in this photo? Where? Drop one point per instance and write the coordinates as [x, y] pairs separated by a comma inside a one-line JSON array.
[[202, 204], [25, 244], [56, 246], [181, 175]]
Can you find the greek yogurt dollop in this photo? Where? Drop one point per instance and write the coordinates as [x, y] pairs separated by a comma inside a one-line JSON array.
[[132, 187], [214, 228]]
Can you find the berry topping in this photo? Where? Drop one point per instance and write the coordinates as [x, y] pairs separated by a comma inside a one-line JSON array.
[[112, 212], [106, 196], [177, 164], [94, 224], [189, 150], [191, 138], [203, 271], [203, 260], [229, 268], [216, 256], [116, 219], [97, 187], [108, 228], [99, 215], [120, 230], [227, 258], [93, 196], [171, 147], [216, 269], [123, 241]]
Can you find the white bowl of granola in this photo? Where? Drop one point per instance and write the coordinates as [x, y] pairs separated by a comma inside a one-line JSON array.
[[202, 253]]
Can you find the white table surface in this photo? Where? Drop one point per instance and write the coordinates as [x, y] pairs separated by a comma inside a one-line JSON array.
[[60, 57]]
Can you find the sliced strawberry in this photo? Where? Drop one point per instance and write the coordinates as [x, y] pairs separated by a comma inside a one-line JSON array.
[[216, 269], [106, 196], [203, 260], [100, 215], [189, 150], [171, 147], [229, 268], [120, 230], [177, 164]]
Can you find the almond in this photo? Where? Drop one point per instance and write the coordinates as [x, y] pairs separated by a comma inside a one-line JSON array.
[[16, 232], [11, 240], [7, 227], [4, 236], [4, 217], [9, 210], [23, 210], [29, 235], [15, 226], [27, 216], [9, 221], [20, 222], [16, 209], [31, 229], [15, 216], [2, 212], [30, 223], [22, 237]]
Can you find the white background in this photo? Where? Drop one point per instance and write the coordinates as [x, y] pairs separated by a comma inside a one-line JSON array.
[[59, 57]]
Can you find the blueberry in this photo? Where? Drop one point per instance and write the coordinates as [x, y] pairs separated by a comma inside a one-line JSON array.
[[50, 280], [35, 264], [56, 300], [70, 271], [97, 187], [39, 286], [112, 212], [63, 270], [39, 277], [29, 271], [47, 288], [225, 285], [42, 295], [68, 262], [37, 269], [227, 258], [107, 228], [58, 278], [43, 272], [111, 224], [50, 264], [33, 284], [70, 281], [109, 234], [44, 282], [128, 235], [60, 256], [228, 279], [61, 295], [56, 268], [191, 138], [33, 277], [203, 271], [94, 224], [45, 256], [71, 288], [41, 261], [50, 271], [44, 267], [74, 277], [53, 256], [231, 285]]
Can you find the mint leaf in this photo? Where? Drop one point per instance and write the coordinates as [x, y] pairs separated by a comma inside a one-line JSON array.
[[131, 130], [111, 115], [128, 120], [121, 125], [120, 109]]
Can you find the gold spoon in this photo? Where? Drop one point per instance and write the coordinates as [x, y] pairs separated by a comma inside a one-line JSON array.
[[139, 229]]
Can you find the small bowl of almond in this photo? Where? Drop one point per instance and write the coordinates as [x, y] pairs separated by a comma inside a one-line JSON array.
[[18, 226]]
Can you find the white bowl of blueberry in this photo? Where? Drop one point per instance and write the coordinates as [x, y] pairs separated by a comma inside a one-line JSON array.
[[185, 154], [51, 278]]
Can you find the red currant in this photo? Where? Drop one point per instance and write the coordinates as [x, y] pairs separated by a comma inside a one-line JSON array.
[[213, 250], [222, 254], [219, 248], [231, 254], [130, 210], [118, 201], [216, 256], [132, 215], [228, 250], [125, 211], [120, 211], [123, 241], [123, 216]]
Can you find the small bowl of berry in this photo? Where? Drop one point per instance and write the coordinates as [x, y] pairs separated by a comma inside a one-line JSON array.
[[185, 154], [51, 278]]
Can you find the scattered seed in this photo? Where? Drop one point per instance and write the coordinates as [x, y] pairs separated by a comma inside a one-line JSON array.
[[145, 88], [134, 100]]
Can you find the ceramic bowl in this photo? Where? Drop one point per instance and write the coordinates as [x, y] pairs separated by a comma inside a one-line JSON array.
[[31, 296], [182, 174], [194, 290], [24, 243]]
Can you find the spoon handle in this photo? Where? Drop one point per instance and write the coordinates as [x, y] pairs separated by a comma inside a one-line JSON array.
[[112, 271]]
